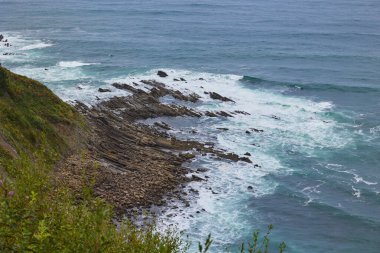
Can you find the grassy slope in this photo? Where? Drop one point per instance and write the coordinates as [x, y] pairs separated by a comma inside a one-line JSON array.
[[33, 121]]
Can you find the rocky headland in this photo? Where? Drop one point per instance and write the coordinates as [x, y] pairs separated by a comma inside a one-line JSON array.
[[139, 165], [105, 146]]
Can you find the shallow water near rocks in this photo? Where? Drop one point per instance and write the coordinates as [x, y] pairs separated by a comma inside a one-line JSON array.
[[306, 72]]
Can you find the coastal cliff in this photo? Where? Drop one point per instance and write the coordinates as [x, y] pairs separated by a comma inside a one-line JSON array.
[[38, 211]]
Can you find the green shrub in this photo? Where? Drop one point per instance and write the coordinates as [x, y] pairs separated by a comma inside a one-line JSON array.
[[36, 217]]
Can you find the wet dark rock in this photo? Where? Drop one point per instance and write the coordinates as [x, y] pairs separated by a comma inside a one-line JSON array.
[[161, 73], [1, 37], [196, 178], [222, 128], [229, 156], [224, 114], [245, 159], [201, 79], [250, 188], [247, 154], [217, 96], [202, 170], [104, 90], [242, 112], [176, 80], [256, 166], [182, 79], [187, 156], [257, 130], [247, 132], [162, 125], [275, 117], [124, 86], [211, 114], [194, 191]]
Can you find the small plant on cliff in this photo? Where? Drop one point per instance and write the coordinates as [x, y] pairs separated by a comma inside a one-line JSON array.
[[257, 245]]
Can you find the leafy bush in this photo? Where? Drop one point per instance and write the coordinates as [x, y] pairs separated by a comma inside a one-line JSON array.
[[36, 217]]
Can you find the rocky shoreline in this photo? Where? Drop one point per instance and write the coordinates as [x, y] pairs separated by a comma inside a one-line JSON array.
[[133, 165]]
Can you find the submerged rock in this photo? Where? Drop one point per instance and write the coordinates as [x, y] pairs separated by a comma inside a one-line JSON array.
[[196, 178], [162, 125], [104, 90], [187, 156], [217, 96], [245, 159], [257, 130], [242, 112], [161, 73]]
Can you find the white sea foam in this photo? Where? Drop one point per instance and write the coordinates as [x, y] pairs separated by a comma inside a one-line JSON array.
[[22, 49], [375, 130], [311, 192], [87, 94], [62, 71], [50, 73], [356, 178], [356, 192], [38, 45], [73, 64], [359, 179]]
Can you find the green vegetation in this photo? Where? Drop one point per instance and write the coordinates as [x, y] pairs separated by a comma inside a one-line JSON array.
[[37, 130]]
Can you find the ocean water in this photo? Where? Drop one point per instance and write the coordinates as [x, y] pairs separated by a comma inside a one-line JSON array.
[[308, 72]]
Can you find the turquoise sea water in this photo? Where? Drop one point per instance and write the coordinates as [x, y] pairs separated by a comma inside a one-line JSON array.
[[313, 64]]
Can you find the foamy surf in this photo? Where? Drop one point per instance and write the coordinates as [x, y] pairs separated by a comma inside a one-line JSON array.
[[74, 64], [38, 45], [275, 127], [49, 74]]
